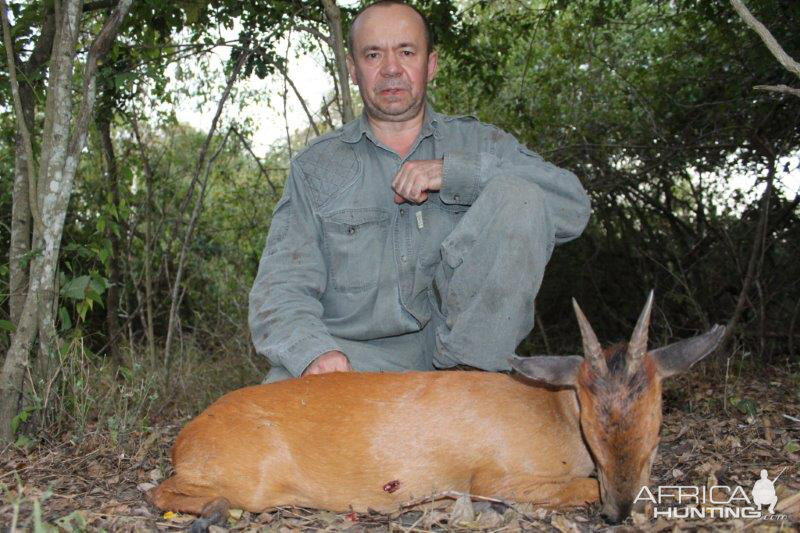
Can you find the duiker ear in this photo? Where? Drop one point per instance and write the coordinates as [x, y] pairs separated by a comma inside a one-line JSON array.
[[680, 356], [551, 369]]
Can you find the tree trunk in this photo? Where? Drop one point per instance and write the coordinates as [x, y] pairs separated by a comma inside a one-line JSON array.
[[21, 217], [20, 231], [148, 240], [334, 17], [115, 279]]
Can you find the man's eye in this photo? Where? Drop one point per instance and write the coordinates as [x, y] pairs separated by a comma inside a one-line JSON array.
[[408, 53], [372, 55]]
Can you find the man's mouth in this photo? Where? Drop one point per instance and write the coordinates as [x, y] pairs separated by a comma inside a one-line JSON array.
[[392, 90]]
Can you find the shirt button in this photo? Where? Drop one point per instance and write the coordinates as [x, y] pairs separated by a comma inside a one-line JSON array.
[[456, 198], [351, 230], [403, 258], [402, 211]]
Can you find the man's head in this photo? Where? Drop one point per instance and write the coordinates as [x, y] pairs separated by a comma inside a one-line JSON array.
[[391, 60]]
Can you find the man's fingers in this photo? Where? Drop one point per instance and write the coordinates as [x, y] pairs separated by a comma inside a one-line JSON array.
[[407, 183], [333, 361], [401, 181], [411, 187], [415, 178]]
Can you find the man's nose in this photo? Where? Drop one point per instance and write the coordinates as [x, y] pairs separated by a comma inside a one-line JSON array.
[[390, 65]]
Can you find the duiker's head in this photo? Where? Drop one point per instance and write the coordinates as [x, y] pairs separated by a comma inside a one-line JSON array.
[[619, 391]]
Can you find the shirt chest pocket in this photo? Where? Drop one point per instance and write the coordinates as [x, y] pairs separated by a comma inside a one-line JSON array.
[[439, 221], [355, 244]]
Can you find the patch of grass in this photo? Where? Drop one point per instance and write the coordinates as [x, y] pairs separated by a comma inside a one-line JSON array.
[[92, 393]]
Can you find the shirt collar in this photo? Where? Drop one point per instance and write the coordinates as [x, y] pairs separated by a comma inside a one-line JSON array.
[[354, 130]]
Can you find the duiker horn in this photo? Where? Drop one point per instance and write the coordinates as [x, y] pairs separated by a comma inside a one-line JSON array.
[[591, 347], [637, 346]]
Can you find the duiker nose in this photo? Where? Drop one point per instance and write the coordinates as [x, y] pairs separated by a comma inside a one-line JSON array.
[[615, 515]]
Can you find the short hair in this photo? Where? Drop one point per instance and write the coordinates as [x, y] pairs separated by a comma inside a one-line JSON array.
[[386, 3]]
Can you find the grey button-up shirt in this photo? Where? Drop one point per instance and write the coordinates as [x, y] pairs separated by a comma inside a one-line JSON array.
[[342, 260]]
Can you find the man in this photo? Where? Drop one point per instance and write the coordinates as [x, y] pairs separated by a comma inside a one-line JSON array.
[[407, 239]]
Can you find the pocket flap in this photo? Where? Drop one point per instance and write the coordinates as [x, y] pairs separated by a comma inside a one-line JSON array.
[[357, 217]]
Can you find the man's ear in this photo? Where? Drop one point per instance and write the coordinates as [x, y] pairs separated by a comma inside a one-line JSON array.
[[433, 65], [681, 355], [351, 68], [557, 370]]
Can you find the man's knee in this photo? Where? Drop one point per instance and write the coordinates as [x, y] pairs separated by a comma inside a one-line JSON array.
[[510, 216], [514, 195]]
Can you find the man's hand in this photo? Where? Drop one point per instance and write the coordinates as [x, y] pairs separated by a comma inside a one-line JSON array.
[[415, 179], [333, 361]]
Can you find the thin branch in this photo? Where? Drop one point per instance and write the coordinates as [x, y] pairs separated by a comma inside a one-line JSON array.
[[285, 99], [258, 161], [334, 17], [22, 125], [783, 58], [299, 97], [778, 89], [759, 238], [316, 33], [196, 212], [99, 49], [246, 52], [326, 112], [173, 311]]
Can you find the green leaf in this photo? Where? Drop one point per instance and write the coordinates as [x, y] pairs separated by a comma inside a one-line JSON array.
[[73, 522], [103, 254], [63, 317], [92, 296], [21, 417], [98, 283], [746, 406], [75, 288], [791, 447], [6, 325], [23, 441], [83, 307], [126, 372]]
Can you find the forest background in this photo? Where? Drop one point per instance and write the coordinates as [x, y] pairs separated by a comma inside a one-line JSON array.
[[130, 238]]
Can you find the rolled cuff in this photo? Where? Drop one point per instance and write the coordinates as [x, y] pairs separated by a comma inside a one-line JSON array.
[[302, 353], [460, 178]]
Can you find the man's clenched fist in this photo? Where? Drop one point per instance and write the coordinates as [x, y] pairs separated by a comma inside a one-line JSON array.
[[332, 361], [415, 179]]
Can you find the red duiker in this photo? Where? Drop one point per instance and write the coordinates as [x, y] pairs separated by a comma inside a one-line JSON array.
[[363, 441]]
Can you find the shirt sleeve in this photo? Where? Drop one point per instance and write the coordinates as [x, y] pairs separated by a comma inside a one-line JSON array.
[[285, 312], [465, 174]]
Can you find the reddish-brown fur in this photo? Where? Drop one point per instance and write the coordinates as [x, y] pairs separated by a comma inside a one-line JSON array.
[[338, 440]]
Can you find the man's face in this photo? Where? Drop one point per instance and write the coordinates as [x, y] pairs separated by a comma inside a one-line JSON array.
[[390, 63]]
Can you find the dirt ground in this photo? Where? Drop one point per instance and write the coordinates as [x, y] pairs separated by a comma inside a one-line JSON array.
[[718, 430]]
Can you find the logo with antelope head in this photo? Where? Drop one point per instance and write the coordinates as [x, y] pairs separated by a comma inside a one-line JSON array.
[[619, 393], [716, 501]]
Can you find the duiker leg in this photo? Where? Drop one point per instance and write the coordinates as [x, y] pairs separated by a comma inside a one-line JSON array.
[[546, 493]]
